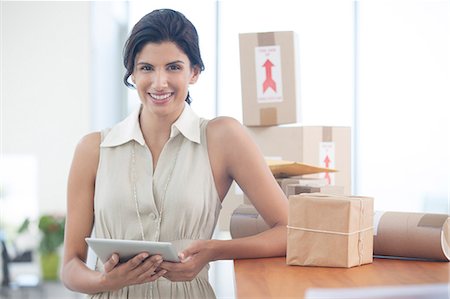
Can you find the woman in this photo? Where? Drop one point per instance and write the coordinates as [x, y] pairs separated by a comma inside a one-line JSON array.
[[161, 174]]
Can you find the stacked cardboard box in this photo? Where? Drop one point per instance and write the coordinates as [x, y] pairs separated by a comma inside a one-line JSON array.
[[328, 147], [269, 71], [271, 113], [271, 108]]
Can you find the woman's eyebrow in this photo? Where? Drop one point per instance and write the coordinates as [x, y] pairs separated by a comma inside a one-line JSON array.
[[169, 63], [175, 62], [143, 64]]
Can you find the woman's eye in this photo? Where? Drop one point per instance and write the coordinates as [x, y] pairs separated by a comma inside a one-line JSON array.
[[145, 67], [174, 67]]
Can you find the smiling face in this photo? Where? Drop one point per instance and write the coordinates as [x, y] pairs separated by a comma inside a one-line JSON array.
[[162, 76]]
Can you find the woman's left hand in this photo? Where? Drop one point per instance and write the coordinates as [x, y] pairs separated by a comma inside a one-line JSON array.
[[193, 259]]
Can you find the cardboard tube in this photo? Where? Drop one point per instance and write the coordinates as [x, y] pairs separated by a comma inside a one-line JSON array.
[[412, 235], [246, 221]]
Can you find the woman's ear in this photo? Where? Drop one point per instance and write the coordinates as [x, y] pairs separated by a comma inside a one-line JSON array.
[[195, 74], [133, 79]]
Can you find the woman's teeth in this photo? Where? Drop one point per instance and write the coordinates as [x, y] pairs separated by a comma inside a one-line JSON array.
[[160, 97]]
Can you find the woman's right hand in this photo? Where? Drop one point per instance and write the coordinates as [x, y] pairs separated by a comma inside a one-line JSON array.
[[140, 269]]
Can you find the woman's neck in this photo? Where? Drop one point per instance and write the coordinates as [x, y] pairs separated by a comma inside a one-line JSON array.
[[155, 130], [157, 126]]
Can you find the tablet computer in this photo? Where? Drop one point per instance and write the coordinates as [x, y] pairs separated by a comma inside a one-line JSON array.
[[126, 249]]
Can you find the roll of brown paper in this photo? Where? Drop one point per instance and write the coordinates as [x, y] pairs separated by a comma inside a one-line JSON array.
[[246, 221], [412, 235]]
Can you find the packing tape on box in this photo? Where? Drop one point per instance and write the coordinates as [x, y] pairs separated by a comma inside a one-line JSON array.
[[327, 134], [412, 235], [266, 39], [268, 116]]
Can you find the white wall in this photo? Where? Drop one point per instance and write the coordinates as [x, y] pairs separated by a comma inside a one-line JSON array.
[[325, 31], [45, 77], [403, 138]]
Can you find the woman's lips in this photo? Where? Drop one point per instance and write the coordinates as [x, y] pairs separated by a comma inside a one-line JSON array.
[[161, 96]]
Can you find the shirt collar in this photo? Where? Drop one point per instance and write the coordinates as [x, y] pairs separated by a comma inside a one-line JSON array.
[[188, 124]]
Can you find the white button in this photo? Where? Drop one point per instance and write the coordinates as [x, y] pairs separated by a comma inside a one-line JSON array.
[[153, 216]]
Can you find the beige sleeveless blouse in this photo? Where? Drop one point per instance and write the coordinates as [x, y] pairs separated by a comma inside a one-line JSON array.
[[188, 211]]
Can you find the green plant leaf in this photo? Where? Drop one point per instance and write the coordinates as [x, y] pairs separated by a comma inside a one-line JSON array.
[[52, 228], [24, 226]]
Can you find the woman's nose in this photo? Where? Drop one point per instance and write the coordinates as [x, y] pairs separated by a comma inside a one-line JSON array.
[[160, 79]]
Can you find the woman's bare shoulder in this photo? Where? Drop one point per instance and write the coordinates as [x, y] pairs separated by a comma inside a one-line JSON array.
[[89, 142], [228, 136], [224, 127], [88, 149]]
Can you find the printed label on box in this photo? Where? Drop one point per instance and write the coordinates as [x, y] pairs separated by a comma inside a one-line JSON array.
[[326, 160], [269, 87]]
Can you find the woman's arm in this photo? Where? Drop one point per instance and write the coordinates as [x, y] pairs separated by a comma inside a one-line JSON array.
[[234, 156], [79, 222], [80, 217]]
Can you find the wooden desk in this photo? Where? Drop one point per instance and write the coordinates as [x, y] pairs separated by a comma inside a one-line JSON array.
[[272, 278]]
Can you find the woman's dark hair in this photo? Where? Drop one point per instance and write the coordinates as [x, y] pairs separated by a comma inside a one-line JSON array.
[[162, 25]]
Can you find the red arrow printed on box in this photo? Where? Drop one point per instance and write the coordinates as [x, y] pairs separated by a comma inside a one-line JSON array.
[[327, 165], [269, 82]]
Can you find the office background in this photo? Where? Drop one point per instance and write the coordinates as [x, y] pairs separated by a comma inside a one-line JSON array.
[[380, 67]]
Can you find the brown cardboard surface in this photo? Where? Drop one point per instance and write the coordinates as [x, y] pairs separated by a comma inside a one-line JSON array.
[[303, 143], [329, 230], [294, 189], [432, 220], [412, 235], [280, 111], [300, 181]]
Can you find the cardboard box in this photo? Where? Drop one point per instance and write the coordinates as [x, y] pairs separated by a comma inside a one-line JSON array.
[[269, 83], [294, 189], [329, 230], [328, 147], [312, 182]]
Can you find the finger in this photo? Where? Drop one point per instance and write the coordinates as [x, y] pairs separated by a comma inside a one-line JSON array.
[[149, 267], [111, 263], [185, 256], [169, 266], [137, 260], [188, 252], [158, 274], [154, 276], [156, 258]]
